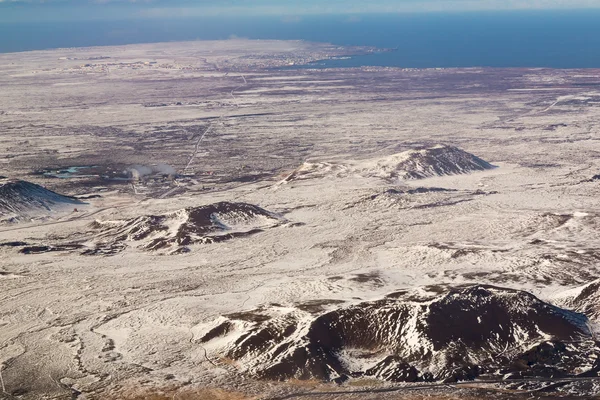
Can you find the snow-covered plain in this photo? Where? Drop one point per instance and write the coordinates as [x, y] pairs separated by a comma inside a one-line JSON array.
[[319, 152]]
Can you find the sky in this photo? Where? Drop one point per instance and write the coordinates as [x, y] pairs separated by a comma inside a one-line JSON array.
[[82, 10]]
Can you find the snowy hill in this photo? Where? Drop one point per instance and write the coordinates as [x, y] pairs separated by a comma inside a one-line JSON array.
[[422, 335], [195, 225], [22, 200], [438, 160]]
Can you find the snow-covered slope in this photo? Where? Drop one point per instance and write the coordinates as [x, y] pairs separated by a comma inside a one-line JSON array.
[[310, 170], [438, 160], [421, 335], [585, 299], [22, 200], [172, 232]]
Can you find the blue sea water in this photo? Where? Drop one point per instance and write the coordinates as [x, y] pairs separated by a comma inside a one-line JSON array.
[[556, 39]]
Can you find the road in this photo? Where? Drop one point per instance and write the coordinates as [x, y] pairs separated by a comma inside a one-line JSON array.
[[553, 384]]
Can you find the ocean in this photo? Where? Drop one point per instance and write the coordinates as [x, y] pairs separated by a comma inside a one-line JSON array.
[[553, 39]]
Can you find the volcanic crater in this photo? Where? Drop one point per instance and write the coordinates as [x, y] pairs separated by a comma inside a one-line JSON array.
[[447, 334]]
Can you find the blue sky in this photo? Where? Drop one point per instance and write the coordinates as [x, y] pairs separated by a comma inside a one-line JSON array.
[[39, 10]]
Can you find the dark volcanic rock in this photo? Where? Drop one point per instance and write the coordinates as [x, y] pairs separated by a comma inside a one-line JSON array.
[[39, 249], [394, 369], [13, 244], [592, 179], [173, 232], [459, 334], [23, 200], [419, 190]]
